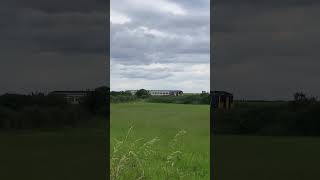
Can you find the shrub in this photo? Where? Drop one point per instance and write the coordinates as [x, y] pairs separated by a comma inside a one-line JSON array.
[[142, 93], [187, 99]]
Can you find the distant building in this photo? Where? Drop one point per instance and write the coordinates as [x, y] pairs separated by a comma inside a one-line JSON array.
[[161, 92], [73, 97], [221, 100]]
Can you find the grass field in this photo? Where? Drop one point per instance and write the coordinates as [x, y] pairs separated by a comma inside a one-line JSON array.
[[236, 156], [266, 158], [65, 154], [164, 121], [79, 153]]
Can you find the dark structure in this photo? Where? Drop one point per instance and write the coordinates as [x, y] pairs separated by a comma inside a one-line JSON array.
[[221, 99], [73, 97]]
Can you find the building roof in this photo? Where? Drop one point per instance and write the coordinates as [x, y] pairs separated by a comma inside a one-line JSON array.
[[161, 90], [167, 90], [221, 93]]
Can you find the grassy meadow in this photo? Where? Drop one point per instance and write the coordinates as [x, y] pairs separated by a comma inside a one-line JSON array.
[[62, 154], [247, 156], [268, 141], [166, 141], [159, 141], [266, 157], [45, 137]]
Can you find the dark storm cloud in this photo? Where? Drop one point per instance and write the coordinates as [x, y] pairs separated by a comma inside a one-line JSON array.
[[53, 44], [266, 49], [63, 32], [57, 5], [273, 3]]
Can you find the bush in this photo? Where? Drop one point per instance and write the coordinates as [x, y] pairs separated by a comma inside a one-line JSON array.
[[122, 98], [36, 111], [142, 93], [187, 99], [96, 100], [270, 118]]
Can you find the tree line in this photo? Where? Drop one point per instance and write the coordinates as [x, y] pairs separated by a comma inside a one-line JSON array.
[[144, 95], [37, 110], [298, 117]]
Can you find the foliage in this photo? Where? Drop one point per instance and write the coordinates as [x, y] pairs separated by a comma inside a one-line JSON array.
[[17, 101], [117, 93], [97, 101], [36, 110], [301, 101], [297, 117], [142, 93], [187, 99], [122, 98]]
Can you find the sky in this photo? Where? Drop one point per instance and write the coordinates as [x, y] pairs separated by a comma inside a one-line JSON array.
[[260, 49], [53, 45], [266, 49], [163, 44]]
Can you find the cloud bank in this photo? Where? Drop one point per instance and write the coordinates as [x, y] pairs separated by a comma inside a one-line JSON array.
[[266, 49], [53, 45], [160, 44]]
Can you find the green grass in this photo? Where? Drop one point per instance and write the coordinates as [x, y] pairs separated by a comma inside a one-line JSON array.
[[79, 153], [266, 158], [164, 121], [65, 154]]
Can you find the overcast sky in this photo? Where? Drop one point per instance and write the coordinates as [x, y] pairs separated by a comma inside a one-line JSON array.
[[162, 44], [266, 49], [50, 45], [261, 49]]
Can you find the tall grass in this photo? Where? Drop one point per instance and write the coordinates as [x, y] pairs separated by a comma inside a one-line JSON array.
[[140, 158]]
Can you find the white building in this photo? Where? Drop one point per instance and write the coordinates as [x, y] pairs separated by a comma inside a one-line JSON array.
[[161, 92]]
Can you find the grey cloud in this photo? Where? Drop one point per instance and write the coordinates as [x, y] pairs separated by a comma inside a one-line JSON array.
[[153, 37], [136, 48], [66, 32], [146, 75], [270, 3], [58, 5], [53, 45], [148, 49], [265, 50], [143, 72]]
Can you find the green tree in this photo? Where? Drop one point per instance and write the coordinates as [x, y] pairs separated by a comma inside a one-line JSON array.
[[142, 93], [97, 100], [299, 96]]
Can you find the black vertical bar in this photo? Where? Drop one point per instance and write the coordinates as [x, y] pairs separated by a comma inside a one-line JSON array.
[[107, 137], [211, 91]]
